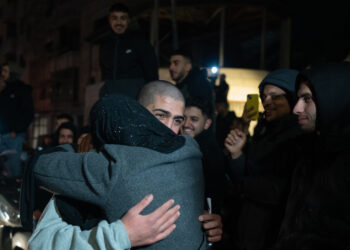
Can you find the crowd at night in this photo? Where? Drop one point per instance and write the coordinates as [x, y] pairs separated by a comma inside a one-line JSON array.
[[138, 159]]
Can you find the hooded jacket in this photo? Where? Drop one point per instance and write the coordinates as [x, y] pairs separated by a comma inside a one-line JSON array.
[[147, 157], [318, 210], [264, 172]]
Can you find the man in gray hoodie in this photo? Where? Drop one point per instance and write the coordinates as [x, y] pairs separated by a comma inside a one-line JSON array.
[[181, 168]]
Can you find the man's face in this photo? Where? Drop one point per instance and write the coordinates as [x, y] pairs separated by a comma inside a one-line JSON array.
[[5, 72], [179, 68], [168, 111], [118, 21], [275, 103], [195, 122], [65, 136], [305, 108]]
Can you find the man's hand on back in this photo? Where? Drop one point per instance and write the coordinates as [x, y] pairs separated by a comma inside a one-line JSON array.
[[148, 229], [212, 225]]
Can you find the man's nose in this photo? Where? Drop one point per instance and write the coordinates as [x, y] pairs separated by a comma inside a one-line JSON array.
[[168, 123], [187, 123], [298, 108], [267, 101]]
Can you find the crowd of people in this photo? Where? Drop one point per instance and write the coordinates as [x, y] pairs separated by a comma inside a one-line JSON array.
[[169, 166]]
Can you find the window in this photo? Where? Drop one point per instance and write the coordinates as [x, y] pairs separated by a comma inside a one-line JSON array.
[[40, 127]]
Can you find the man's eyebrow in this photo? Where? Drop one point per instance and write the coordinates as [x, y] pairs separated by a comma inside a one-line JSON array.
[[179, 117], [162, 110], [306, 95]]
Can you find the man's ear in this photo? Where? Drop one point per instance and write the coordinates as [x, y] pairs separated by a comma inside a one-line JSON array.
[[188, 67], [207, 123]]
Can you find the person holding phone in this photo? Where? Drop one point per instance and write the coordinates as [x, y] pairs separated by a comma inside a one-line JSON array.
[[263, 169]]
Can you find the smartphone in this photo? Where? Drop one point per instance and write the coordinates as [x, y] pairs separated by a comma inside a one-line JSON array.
[[253, 101]]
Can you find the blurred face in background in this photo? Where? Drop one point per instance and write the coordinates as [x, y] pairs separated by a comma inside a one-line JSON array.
[[305, 108], [118, 21], [179, 67], [275, 102], [65, 136]]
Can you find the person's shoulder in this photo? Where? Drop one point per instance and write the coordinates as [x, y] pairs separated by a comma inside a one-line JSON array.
[[190, 143], [19, 84]]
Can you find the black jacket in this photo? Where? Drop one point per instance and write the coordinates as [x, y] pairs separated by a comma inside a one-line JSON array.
[[16, 107], [127, 56], [213, 168], [223, 125], [264, 174], [318, 210], [196, 85]]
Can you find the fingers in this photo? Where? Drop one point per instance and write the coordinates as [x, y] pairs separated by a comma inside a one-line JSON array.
[[164, 234], [210, 221], [169, 218], [229, 139], [142, 204], [214, 238], [162, 210], [234, 136], [251, 114], [213, 224], [214, 232], [85, 143], [251, 108], [209, 217]]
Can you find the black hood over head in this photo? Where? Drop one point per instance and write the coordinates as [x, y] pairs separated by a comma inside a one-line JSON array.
[[118, 119], [331, 86], [283, 79]]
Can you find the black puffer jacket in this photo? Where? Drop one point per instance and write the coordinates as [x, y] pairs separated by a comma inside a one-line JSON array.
[[196, 85], [127, 56], [318, 210]]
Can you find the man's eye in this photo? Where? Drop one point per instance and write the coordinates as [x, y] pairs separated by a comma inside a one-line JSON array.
[[307, 99], [159, 116], [178, 121]]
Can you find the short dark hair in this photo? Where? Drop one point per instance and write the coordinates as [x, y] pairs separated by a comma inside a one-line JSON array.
[[162, 88], [119, 7], [187, 55], [305, 80], [205, 106], [65, 116]]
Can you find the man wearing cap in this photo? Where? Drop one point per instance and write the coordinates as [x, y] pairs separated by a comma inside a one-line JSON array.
[[263, 171]]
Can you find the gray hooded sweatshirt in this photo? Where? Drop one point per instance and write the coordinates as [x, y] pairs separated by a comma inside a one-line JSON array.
[[118, 177]]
